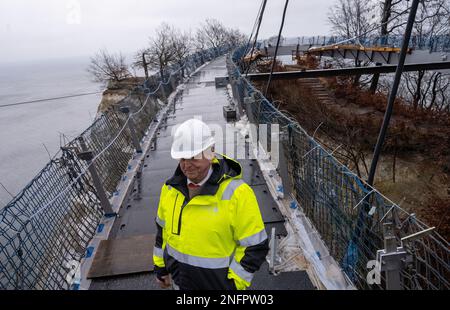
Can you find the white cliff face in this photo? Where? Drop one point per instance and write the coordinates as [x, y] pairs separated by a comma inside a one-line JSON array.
[[116, 91], [110, 98]]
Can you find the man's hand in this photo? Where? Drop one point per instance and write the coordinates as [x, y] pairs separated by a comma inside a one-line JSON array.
[[164, 281]]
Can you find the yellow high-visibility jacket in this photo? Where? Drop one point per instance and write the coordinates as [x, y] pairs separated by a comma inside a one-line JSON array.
[[216, 240]]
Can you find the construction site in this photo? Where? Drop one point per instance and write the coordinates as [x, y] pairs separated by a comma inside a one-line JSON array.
[[352, 175]]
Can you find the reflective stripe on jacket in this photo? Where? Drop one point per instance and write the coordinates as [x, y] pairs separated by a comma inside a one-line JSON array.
[[216, 240]]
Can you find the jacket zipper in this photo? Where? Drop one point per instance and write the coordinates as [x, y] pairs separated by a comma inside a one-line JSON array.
[[181, 214], [173, 212]]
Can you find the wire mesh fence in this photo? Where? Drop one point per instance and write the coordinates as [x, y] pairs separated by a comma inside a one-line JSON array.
[[348, 213], [45, 229]]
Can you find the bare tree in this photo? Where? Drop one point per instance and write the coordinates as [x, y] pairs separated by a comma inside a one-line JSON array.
[[169, 46], [200, 41], [106, 67], [182, 45], [141, 62], [358, 18], [212, 33], [161, 52], [432, 17], [352, 18], [235, 37], [386, 13], [426, 90]]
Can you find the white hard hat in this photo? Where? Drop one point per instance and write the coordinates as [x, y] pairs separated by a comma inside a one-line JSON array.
[[190, 139]]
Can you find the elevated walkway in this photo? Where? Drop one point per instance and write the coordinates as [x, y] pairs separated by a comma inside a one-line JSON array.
[[376, 54], [199, 98]]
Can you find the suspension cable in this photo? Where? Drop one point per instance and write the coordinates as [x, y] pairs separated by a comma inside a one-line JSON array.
[[49, 99], [6, 190], [256, 35], [253, 30], [276, 49]]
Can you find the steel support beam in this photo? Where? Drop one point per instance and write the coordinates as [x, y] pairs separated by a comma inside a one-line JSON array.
[[442, 65], [88, 156], [400, 68]]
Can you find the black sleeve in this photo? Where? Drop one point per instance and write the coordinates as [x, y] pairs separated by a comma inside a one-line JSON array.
[[254, 256], [159, 237], [159, 271]]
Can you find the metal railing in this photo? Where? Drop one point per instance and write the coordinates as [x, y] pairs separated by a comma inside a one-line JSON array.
[[356, 222], [49, 224], [433, 43]]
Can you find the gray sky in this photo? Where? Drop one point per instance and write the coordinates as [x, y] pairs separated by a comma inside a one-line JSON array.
[[46, 29]]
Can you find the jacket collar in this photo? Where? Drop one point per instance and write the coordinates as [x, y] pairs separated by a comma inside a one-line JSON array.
[[223, 168]]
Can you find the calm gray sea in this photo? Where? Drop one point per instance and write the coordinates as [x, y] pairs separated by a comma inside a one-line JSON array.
[[24, 129]]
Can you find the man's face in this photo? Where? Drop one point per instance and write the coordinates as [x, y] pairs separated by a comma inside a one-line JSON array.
[[195, 169]]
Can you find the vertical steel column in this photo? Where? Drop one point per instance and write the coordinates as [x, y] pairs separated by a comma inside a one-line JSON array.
[[19, 274], [392, 258], [393, 93], [173, 82], [131, 127], [393, 266], [273, 250], [138, 195], [88, 156], [163, 93]]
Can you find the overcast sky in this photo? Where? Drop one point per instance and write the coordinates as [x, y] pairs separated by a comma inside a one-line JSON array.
[[46, 29]]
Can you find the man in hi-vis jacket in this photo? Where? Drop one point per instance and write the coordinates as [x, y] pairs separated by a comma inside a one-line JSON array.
[[211, 235]]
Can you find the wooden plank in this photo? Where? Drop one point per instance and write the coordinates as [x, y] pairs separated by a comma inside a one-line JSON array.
[[123, 256]]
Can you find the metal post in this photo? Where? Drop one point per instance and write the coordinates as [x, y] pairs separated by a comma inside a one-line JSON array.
[[19, 274], [391, 266], [283, 166], [273, 250], [393, 93], [240, 86], [138, 195], [182, 70], [132, 129], [144, 64], [173, 82], [88, 156], [163, 92], [375, 79]]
